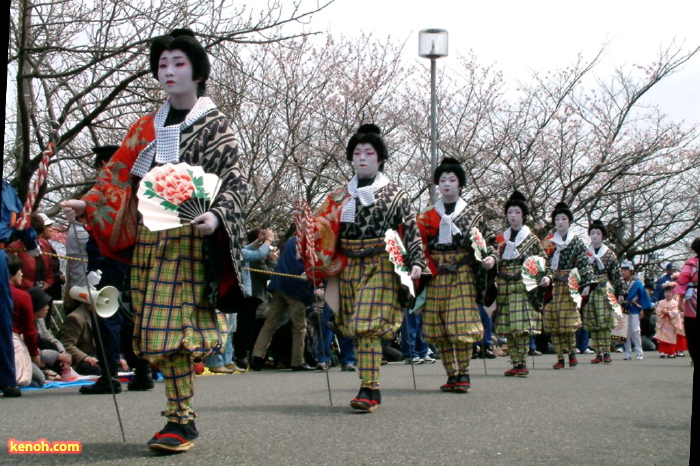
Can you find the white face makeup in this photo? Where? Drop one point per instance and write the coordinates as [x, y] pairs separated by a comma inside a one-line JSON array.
[[175, 75], [448, 184], [365, 161], [561, 223], [596, 237], [515, 217]]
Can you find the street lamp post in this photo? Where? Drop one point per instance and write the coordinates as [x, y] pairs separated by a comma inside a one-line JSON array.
[[432, 44]]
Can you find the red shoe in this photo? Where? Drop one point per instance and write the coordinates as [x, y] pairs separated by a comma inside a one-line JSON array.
[[573, 362], [559, 365], [518, 370], [199, 367], [449, 386], [606, 358], [364, 401], [462, 383], [598, 359]]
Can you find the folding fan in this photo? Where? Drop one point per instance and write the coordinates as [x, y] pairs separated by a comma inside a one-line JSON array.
[[610, 291], [173, 195], [478, 243], [396, 251], [533, 270], [574, 286]]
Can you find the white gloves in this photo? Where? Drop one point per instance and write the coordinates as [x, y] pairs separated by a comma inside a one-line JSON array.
[[206, 223], [94, 278]]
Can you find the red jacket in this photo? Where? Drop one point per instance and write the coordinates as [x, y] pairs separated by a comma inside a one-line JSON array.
[[23, 319], [29, 273]]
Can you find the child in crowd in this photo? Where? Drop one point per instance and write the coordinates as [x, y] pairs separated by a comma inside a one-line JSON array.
[[668, 323]]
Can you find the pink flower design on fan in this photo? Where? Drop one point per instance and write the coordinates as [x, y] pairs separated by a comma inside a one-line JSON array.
[[531, 267], [395, 253], [173, 187]]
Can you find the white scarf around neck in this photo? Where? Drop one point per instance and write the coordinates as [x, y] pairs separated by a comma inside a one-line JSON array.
[[447, 226], [596, 257], [511, 250], [560, 244], [365, 195], [166, 146]]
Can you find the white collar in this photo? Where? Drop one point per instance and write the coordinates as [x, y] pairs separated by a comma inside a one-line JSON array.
[[365, 195], [511, 251], [447, 226]]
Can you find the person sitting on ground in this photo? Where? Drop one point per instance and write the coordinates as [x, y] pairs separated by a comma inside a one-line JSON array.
[[23, 331], [36, 270], [52, 362]]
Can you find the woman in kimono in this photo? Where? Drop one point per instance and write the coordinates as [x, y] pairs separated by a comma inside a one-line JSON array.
[[349, 231], [565, 251], [517, 316], [597, 313], [178, 277], [451, 317]]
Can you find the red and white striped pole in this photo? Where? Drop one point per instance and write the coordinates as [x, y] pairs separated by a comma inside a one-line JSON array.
[[42, 171]]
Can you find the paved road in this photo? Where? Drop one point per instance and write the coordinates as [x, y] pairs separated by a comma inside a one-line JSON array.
[[631, 412]]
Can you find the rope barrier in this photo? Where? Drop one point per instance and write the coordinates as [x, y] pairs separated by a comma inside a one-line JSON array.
[[50, 254]]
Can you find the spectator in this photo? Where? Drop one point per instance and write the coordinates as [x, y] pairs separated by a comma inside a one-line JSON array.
[[345, 344], [40, 305], [254, 292], [687, 291], [76, 337], [668, 322], [659, 287], [26, 344], [635, 301], [291, 296], [10, 208], [55, 291], [36, 270]]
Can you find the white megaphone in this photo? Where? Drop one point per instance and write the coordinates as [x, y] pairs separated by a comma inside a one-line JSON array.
[[105, 301]]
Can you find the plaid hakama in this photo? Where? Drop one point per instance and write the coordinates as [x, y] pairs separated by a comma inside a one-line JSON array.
[[178, 376], [561, 315], [514, 312], [597, 314], [369, 290], [171, 311], [451, 312]]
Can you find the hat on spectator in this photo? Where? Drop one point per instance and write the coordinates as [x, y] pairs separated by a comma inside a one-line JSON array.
[[39, 298], [670, 266], [47, 220], [626, 264]]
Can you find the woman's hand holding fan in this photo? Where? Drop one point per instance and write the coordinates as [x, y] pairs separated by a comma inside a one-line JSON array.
[[174, 195], [533, 270]]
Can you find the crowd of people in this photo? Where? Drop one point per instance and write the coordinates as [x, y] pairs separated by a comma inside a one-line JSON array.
[[363, 281]]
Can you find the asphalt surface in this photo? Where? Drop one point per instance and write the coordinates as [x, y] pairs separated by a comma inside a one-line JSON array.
[[629, 412]]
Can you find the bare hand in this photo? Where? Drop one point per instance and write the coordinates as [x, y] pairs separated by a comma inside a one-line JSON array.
[[545, 282], [92, 361], [206, 223], [64, 358], [73, 209], [416, 272], [489, 262]]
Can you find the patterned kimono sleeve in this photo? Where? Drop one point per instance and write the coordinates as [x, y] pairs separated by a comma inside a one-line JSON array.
[[486, 232], [222, 158], [614, 277], [584, 267], [411, 235], [110, 204]]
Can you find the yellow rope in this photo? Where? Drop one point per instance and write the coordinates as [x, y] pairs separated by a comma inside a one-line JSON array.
[[298, 277]]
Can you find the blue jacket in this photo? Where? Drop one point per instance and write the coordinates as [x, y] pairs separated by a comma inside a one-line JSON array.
[[637, 290], [301, 290], [10, 209], [659, 288], [251, 254]]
